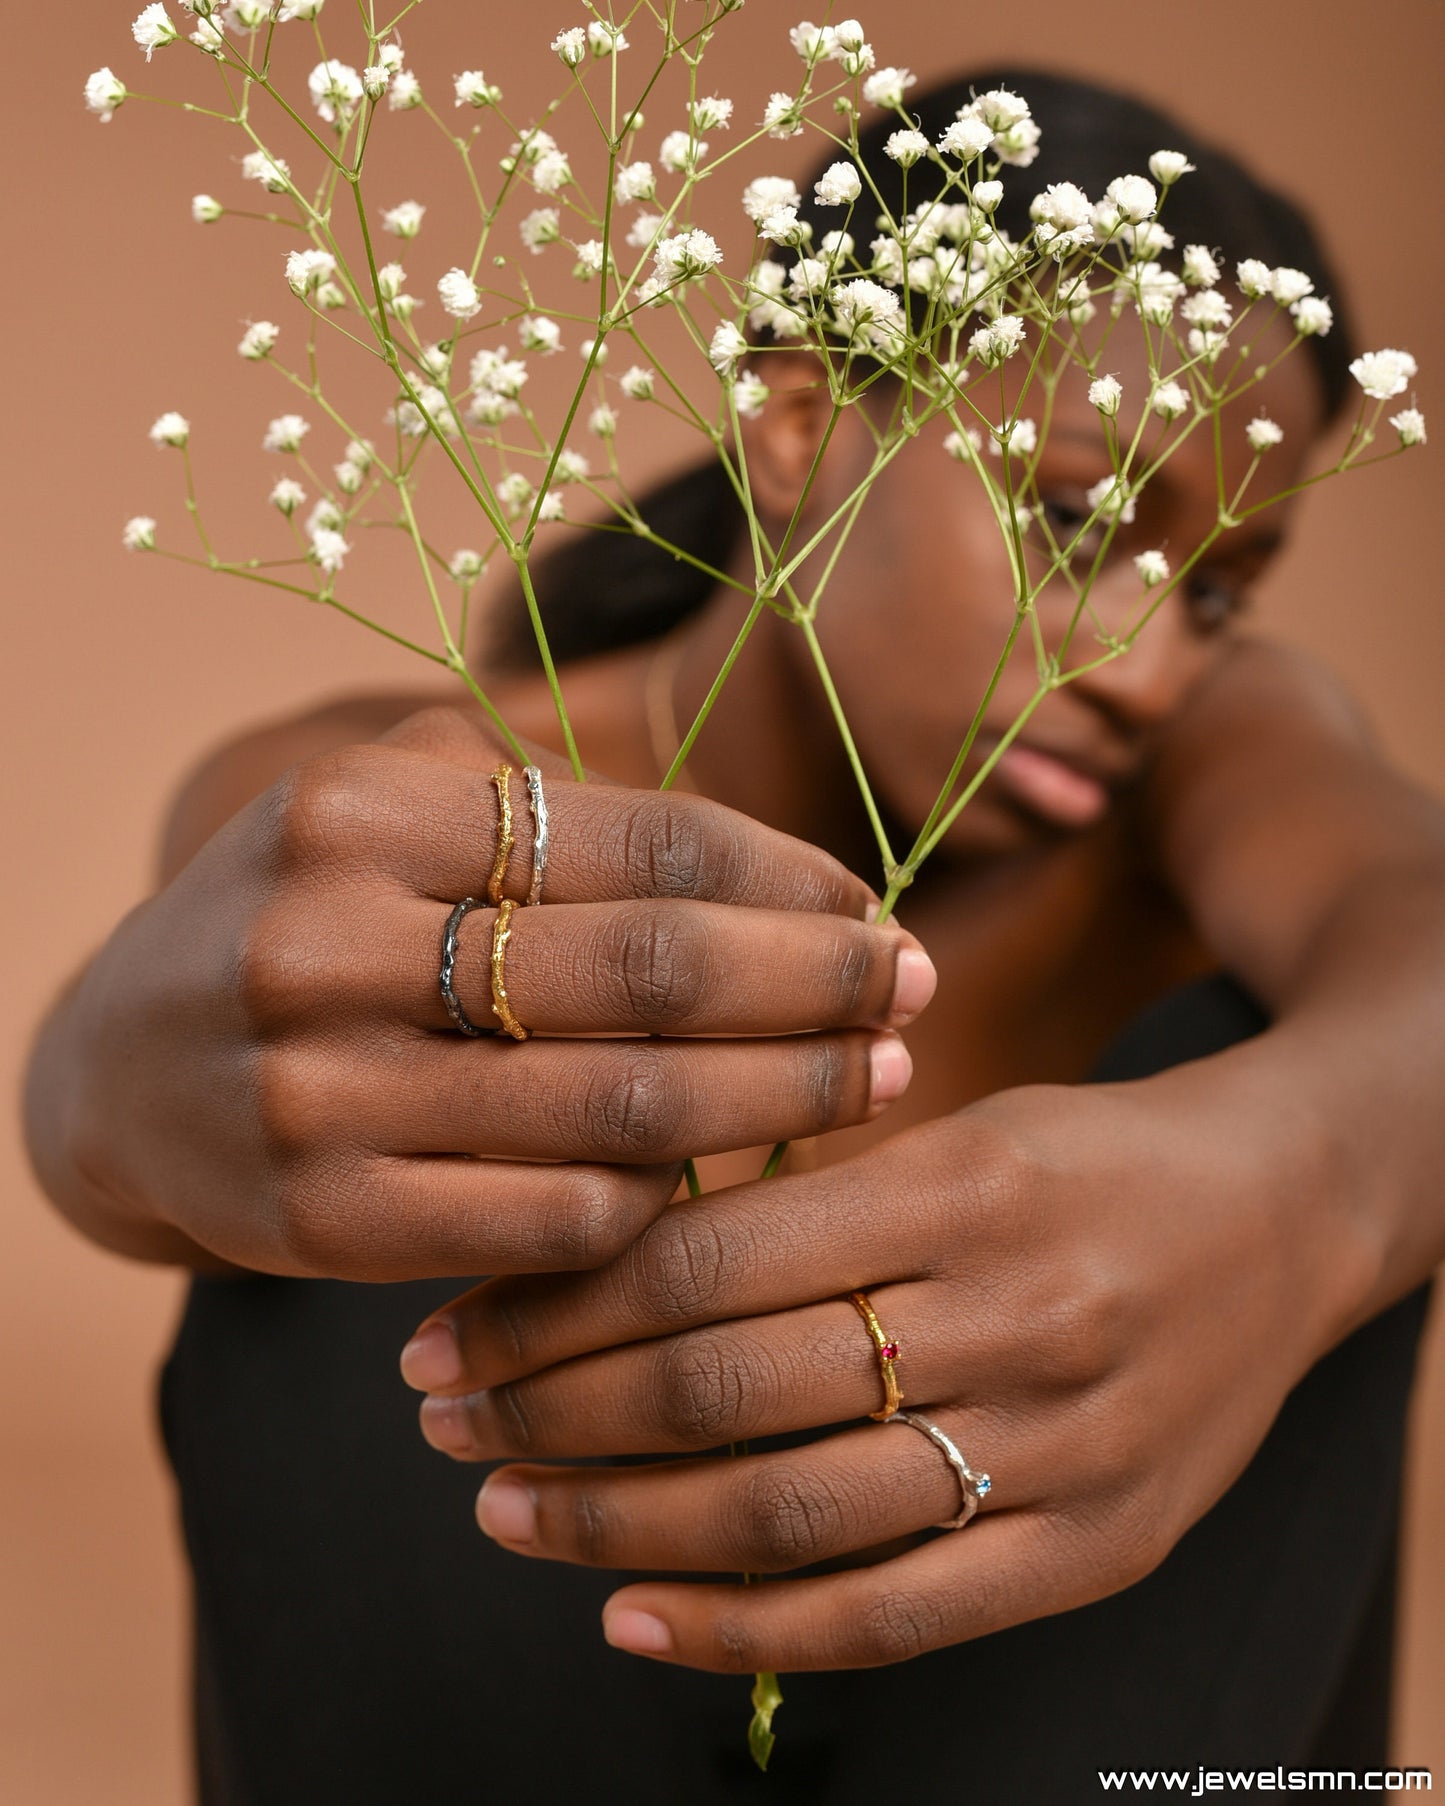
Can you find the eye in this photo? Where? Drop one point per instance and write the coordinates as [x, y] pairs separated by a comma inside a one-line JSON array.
[[1063, 513], [1213, 600]]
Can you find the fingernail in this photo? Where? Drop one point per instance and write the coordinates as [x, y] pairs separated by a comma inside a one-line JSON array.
[[914, 982], [892, 1069], [431, 1361], [445, 1425], [638, 1632], [505, 1510]]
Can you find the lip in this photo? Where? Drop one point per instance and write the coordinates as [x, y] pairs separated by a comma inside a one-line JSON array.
[[1070, 787]]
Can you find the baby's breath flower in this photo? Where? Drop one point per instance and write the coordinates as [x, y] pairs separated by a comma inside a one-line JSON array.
[[287, 495], [300, 9], [679, 152], [325, 514], [906, 147], [472, 89], [464, 566], [1263, 433], [809, 276], [634, 182], [432, 407], [637, 383], [1313, 316], [153, 28], [273, 173], [998, 341], [1135, 197], [306, 270], [551, 507], [605, 38], [349, 477], [1019, 145], [1207, 307], [959, 445], [571, 467], [404, 92], [987, 195], [886, 87], [750, 395], [780, 116], [171, 429], [836, 246], [838, 185], [1000, 109], [1288, 286], [459, 294], [765, 194], [782, 226], [539, 228], [602, 421], [813, 41], [1154, 290], [139, 534], [1166, 167], [258, 340], [571, 45], [328, 550], [403, 220], [686, 254], [493, 370], [1014, 438], [436, 360], [361, 453], [335, 89], [644, 230], [104, 92], [1207, 343], [709, 114], [586, 348], [389, 280], [209, 37], [867, 310], [1409, 423], [1254, 277], [391, 57], [1201, 269], [550, 172], [727, 346], [1106, 392], [1062, 205], [515, 493], [968, 137], [1384, 374], [205, 209], [248, 15], [1153, 567], [1147, 239], [538, 333], [1110, 497], [589, 258], [848, 34], [285, 433], [1170, 400]]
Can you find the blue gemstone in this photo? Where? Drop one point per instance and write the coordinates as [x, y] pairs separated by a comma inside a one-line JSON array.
[[985, 1485]]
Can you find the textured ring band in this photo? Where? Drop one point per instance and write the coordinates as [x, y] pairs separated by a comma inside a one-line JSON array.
[[973, 1486], [459, 1016], [888, 1352], [505, 841], [501, 934], [539, 832]]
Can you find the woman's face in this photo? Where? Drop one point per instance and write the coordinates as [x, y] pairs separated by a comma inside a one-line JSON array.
[[920, 606]]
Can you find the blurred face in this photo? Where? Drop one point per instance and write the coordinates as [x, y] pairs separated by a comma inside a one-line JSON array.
[[920, 606]]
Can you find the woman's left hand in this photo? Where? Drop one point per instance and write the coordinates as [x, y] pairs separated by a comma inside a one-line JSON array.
[[1102, 1294]]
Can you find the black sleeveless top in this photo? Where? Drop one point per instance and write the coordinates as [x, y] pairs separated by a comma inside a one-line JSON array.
[[359, 1641]]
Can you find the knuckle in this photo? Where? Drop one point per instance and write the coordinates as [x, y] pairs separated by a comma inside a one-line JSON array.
[[660, 958], [514, 1417], [276, 971], [631, 1108], [667, 851], [851, 971], [699, 1391], [593, 1529], [736, 1647], [680, 1267], [826, 1069], [1082, 1331], [792, 1522], [897, 1626], [294, 1110], [319, 805], [590, 1222], [309, 1219]]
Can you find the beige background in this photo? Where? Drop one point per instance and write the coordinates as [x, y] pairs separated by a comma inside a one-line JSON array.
[[118, 671]]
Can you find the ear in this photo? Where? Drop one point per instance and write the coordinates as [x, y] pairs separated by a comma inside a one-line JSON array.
[[781, 443]]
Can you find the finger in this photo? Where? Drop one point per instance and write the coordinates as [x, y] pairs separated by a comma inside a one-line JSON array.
[[745, 1251], [392, 1219], [664, 968], [728, 1382], [1000, 1571], [629, 1100], [431, 825], [761, 1514]]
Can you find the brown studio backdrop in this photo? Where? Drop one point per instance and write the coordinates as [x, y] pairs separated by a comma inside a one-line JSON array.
[[120, 670]]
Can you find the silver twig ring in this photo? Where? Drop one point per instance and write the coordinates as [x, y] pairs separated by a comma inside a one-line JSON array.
[[973, 1486], [539, 832]]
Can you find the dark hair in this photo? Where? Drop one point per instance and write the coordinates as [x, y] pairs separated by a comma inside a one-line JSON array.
[[606, 591]]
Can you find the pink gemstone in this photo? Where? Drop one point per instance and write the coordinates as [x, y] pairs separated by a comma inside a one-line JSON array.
[[889, 1351]]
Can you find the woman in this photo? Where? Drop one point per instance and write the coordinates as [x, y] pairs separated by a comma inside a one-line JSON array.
[[1173, 1312]]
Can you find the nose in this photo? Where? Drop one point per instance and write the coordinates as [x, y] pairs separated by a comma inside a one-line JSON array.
[[1143, 685]]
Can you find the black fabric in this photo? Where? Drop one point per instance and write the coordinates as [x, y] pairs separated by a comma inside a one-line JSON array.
[[358, 1640]]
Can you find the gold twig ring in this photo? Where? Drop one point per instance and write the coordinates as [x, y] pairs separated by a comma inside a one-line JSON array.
[[888, 1352], [505, 841], [501, 934]]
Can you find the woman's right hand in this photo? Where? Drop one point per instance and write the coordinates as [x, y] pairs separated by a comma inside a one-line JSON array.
[[258, 1067]]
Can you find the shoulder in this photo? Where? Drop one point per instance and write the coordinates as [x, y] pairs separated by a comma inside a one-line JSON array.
[[242, 768]]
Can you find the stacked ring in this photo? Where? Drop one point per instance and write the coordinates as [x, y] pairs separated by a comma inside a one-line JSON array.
[[972, 1486], [888, 1352], [501, 934], [505, 841]]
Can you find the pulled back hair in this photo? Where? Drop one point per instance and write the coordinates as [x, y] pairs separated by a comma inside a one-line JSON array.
[[607, 591]]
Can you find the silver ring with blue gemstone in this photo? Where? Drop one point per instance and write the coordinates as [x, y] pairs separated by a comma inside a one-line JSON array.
[[974, 1487]]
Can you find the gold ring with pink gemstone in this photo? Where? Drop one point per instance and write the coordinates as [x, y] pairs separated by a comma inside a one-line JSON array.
[[888, 1351]]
